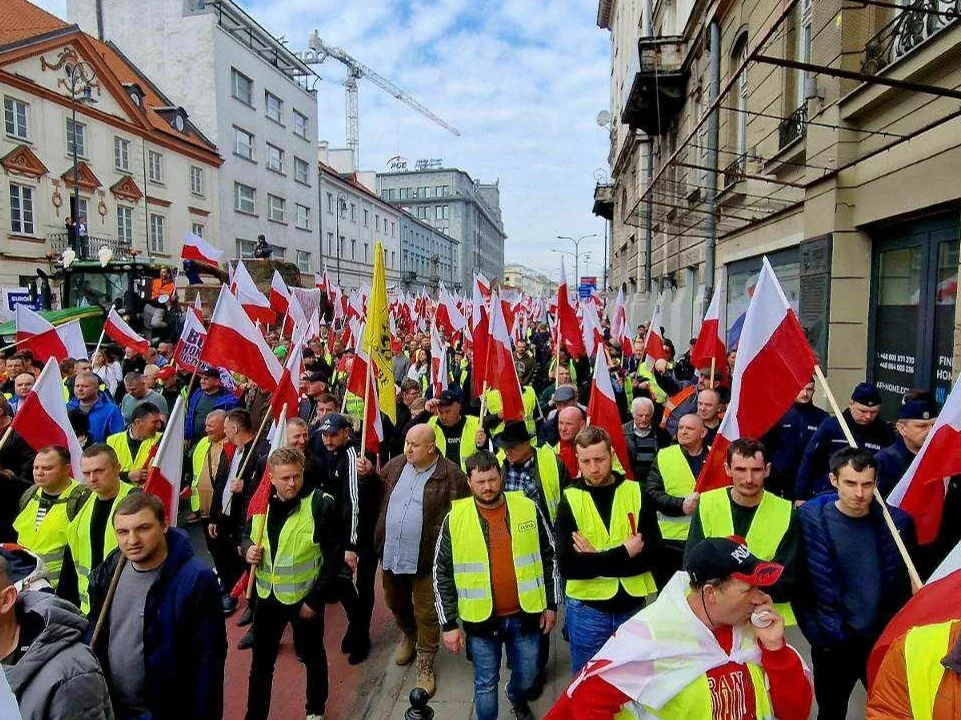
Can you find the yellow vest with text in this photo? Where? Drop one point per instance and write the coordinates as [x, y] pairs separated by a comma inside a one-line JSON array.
[[495, 405], [924, 647], [78, 539], [291, 571], [679, 481], [197, 460], [770, 524], [627, 499], [118, 441], [546, 461], [472, 568], [49, 540], [467, 444]]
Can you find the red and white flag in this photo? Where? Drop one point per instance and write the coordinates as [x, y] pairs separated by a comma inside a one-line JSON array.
[[922, 489], [279, 294], [199, 250], [187, 350], [501, 370], [36, 334], [254, 303], [438, 362], [72, 337], [480, 338], [774, 361], [42, 419], [568, 329], [448, 315], [654, 341], [288, 388], [373, 423], [233, 342], [125, 336], [602, 409], [166, 472], [619, 330], [591, 328], [710, 341]]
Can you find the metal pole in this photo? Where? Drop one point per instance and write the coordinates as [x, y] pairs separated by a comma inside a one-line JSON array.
[[605, 255], [339, 249], [76, 187], [577, 262], [714, 83]]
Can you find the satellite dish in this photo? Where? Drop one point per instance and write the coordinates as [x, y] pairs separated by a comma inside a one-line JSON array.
[[603, 118]]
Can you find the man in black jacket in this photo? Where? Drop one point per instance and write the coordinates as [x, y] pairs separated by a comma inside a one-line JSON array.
[[643, 438], [16, 473]]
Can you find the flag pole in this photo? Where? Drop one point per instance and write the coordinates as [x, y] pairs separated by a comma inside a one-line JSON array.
[[363, 419], [251, 574], [902, 549], [108, 600], [713, 364], [100, 340]]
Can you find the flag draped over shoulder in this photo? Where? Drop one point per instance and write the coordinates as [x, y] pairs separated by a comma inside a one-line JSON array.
[[376, 340]]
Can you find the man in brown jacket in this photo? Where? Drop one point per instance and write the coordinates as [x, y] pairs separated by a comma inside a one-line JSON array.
[[418, 491]]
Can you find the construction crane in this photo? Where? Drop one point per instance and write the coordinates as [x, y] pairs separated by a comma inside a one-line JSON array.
[[318, 51]]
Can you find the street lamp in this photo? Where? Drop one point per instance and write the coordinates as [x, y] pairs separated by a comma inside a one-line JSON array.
[[81, 76], [341, 208], [577, 243]]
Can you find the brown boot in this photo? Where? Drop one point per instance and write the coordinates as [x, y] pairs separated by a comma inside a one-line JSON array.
[[425, 673], [404, 654]]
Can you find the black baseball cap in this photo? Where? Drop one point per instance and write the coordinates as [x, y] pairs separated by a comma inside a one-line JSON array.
[[211, 372], [448, 397], [719, 558], [334, 422], [317, 376]]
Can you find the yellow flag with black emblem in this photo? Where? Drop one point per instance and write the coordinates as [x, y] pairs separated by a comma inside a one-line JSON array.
[[377, 337]]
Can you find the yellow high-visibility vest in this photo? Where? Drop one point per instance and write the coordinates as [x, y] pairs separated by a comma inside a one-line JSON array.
[[118, 441], [679, 481], [627, 500], [771, 521], [49, 540], [290, 572], [495, 406], [924, 647], [468, 446], [546, 461], [472, 569]]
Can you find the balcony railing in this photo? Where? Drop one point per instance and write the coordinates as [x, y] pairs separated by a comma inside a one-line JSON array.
[[911, 26], [88, 246], [654, 89], [793, 127], [735, 171]]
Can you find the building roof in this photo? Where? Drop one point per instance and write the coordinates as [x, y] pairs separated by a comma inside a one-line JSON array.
[[19, 20]]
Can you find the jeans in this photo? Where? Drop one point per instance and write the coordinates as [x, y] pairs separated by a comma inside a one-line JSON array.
[[588, 629], [523, 647]]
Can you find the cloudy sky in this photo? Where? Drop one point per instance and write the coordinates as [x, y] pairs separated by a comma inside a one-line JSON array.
[[523, 81]]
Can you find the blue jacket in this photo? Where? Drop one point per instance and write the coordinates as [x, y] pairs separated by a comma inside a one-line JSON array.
[[819, 604], [104, 417], [185, 638], [786, 442], [893, 462], [812, 477], [223, 400]]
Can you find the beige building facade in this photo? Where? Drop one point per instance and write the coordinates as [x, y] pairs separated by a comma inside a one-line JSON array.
[[819, 134]]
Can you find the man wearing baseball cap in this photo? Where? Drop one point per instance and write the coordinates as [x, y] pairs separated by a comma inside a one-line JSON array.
[[870, 433], [711, 646], [915, 420], [458, 435]]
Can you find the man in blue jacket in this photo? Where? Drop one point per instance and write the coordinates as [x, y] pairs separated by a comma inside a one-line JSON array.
[[103, 415], [164, 645], [788, 439], [915, 420], [869, 431], [853, 581], [210, 396]]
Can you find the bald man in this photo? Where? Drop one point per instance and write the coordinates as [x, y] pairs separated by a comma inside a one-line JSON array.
[[419, 488], [570, 421]]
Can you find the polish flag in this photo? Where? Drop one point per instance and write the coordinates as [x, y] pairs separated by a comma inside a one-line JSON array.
[[501, 371], [373, 423], [121, 333], [253, 301], [480, 338], [710, 340], [191, 340], [602, 409], [448, 315], [774, 361], [568, 330], [72, 337], [166, 472], [591, 327], [288, 388], [922, 489], [619, 329], [654, 341], [438, 362], [36, 334], [42, 419], [279, 295], [199, 250], [296, 319], [358, 368], [234, 342]]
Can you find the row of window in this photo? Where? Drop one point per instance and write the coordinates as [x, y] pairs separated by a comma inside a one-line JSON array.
[[380, 225], [342, 247], [242, 88], [245, 201], [435, 212], [425, 191], [245, 251], [244, 143]]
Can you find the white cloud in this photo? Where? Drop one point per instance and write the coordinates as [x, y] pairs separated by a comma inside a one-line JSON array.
[[521, 79]]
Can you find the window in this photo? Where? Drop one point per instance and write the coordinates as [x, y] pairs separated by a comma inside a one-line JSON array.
[[158, 227], [245, 249], [405, 193], [303, 217], [121, 154], [365, 252], [245, 198], [353, 248], [803, 49], [243, 144], [303, 261], [275, 208], [393, 229], [330, 243], [442, 212], [740, 121], [366, 218], [428, 192], [275, 158], [198, 229], [440, 191], [21, 209], [242, 87], [353, 213], [390, 193], [15, 117], [76, 137], [275, 107], [196, 180], [125, 225], [155, 166], [279, 253], [393, 260], [330, 203], [301, 171], [300, 125], [377, 222]]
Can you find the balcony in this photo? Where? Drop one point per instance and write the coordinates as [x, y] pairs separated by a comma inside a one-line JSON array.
[[912, 25], [89, 247], [604, 201], [656, 93], [735, 171], [793, 127]]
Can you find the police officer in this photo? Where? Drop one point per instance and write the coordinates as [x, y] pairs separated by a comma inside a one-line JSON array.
[[135, 445], [786, 441], [915, 420]]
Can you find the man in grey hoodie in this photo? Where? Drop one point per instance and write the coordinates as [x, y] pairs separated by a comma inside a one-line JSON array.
[[52, 673]]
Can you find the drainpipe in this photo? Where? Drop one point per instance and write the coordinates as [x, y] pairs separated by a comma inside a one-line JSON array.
[[712, 146], [647, 26], [99, 5]]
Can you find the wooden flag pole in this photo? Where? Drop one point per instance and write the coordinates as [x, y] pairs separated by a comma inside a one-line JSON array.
[[363, 418], [6, 435], [713, 364], [912, 570], [108, 601], [100, 340], [483, 407], [259, 542]]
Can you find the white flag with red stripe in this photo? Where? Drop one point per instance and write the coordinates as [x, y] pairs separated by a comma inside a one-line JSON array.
[[279, 294], [166, 473], [923, 487], [448, 315], [654, 340], [36, 334], [235, 343], [710, 341], [591, 327], [501, 370], [124, 335], [620, 333], [72, 337], [288, 388], [602, 409], [42, 419], [199, 250], [568, 329], [254, 303], [438, 362]]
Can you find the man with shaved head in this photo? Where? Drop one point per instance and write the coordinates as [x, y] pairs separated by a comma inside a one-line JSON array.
[[670, 487], [570, 421], [419, 488]]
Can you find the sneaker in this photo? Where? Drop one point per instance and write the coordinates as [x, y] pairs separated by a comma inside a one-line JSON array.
[[247, 641], [359, 651], [404, 655], [316, 717], [425, 674], [246, 617]]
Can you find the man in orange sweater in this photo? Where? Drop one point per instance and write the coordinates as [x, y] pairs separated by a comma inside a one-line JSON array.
[[920, 676]]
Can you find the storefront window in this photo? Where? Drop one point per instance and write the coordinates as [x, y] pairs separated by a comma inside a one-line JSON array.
[[945, 299], [742, 279]]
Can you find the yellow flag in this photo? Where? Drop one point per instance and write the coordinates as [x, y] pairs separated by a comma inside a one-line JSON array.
[[377, 336]]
